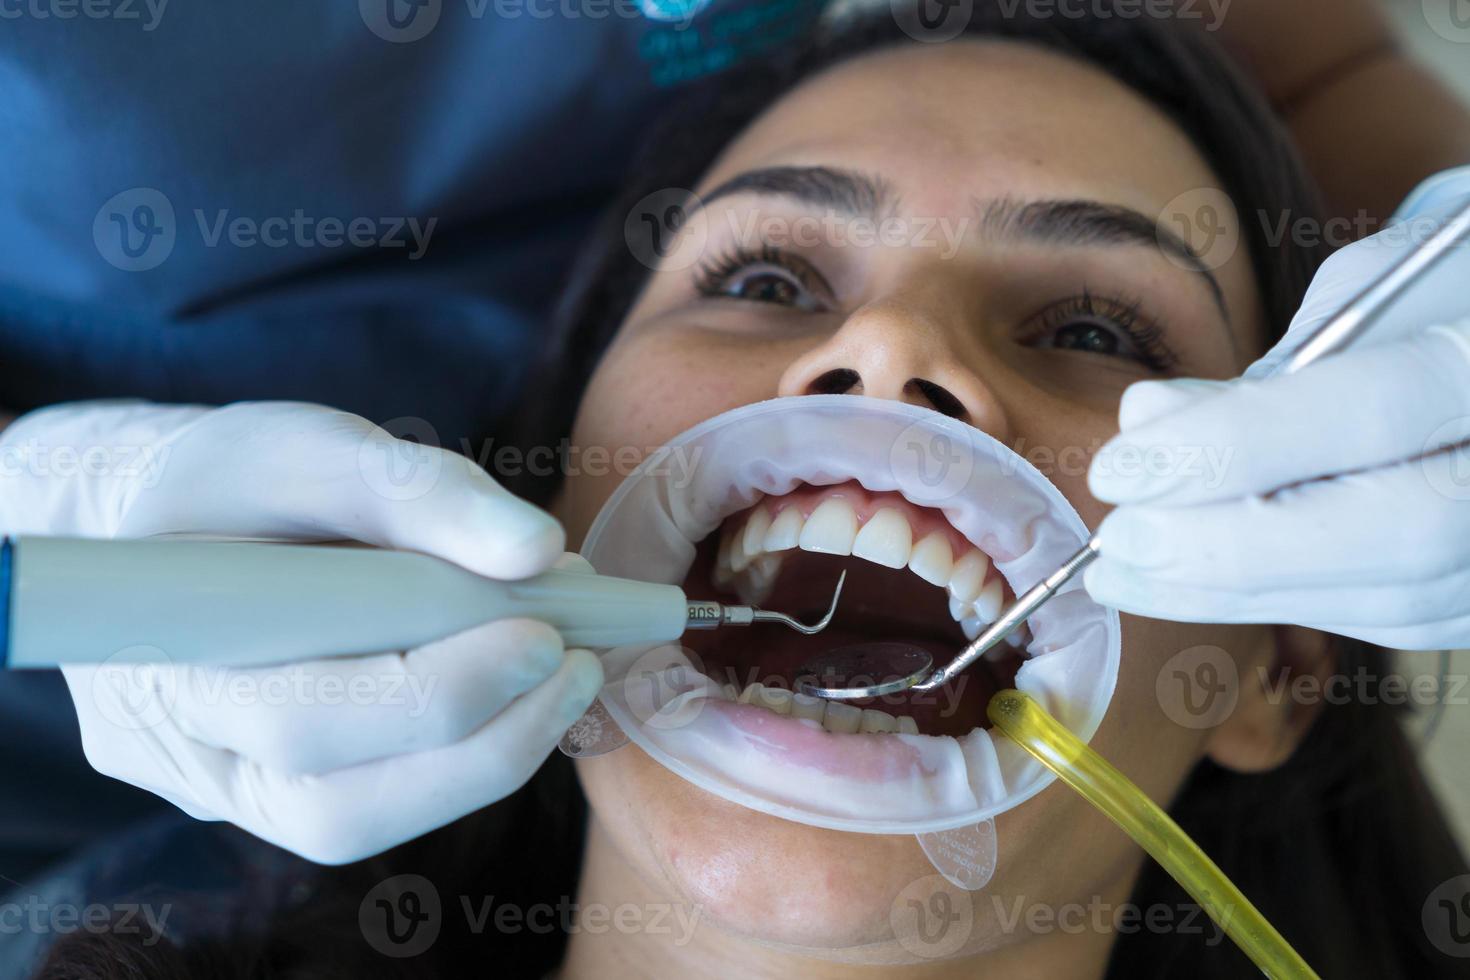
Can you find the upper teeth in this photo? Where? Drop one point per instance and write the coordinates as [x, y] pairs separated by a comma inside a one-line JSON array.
[[750, 556]]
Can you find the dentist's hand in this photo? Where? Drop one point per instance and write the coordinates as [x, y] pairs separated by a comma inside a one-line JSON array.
[[1370, 536], [334, 760]]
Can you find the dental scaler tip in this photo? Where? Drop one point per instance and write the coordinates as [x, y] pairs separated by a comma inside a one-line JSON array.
[[707, 615]]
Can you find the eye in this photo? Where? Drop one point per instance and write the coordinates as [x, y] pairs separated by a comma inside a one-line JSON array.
[[1102, 326], [771, 277], [1096, 338]]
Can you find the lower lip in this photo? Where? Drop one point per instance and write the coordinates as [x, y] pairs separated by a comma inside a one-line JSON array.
[[801, 743]]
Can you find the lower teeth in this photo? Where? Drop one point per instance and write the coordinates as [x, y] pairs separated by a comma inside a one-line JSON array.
[[834, 716]]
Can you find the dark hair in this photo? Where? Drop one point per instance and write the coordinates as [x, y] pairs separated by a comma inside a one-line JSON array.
[[1339, 847]]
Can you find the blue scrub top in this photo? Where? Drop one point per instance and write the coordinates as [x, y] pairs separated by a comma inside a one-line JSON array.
[[363, 204]]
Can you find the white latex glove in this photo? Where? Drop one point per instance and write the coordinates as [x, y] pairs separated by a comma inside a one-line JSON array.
[[335, 760], [1377, 544]]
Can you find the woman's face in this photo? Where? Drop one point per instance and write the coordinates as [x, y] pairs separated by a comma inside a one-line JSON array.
[[987, 299]]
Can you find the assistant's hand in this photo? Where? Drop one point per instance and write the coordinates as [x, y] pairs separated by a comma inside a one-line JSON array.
[[334, 760], [1371, 536]]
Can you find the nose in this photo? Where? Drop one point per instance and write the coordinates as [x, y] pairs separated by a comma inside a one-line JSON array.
[[899, 351]]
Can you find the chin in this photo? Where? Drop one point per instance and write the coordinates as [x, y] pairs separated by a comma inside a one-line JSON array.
[[779, 883]]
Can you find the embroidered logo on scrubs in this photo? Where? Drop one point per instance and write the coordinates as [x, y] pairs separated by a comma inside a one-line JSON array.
[[135, 230], [679, 48], [400, 21], [670, 11]]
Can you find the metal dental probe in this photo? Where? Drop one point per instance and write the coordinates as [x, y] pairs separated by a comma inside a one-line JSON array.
[[832, 676], [248, 603]]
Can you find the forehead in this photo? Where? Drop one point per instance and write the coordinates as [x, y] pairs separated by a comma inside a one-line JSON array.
[[993, 118]]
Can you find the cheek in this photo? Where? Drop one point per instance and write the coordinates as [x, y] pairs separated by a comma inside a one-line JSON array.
[[1161, 718], [1060, 441], [650, 386]]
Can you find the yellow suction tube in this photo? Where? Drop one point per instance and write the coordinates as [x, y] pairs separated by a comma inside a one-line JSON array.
[[1028, 725]]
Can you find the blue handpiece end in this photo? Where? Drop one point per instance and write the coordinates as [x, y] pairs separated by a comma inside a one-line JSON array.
[[7, 557]]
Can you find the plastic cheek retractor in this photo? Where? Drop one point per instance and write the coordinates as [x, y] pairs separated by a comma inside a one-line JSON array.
[[942, 789]]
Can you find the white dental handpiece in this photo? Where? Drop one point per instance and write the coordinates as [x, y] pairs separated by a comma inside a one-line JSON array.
[[239, 603]]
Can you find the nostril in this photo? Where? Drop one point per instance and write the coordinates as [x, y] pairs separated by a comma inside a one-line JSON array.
[[838, 381], [943, 402]]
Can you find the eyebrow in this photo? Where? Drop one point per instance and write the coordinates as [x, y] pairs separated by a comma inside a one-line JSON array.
[[1061, 223]]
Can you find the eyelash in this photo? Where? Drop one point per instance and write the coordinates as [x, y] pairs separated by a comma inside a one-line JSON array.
[[714, 277], [1124, 315]]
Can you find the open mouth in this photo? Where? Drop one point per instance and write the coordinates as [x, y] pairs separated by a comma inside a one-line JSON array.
[[912, 578], [930, 519]]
